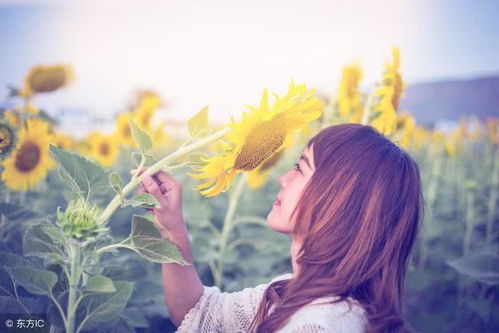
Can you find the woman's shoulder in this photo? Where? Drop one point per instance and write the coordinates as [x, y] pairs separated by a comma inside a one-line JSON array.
[[284, 276], [343, 316]]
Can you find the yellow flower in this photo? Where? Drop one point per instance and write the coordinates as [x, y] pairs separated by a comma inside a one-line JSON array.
[[8, 139], [349, 97], [102, 148], [257, 177], [493, 130], [385, 122], [145, 111], [31, 161], [159, 137], [389, 94], [123, 132], [261, 133], [406, 126], [62, 141], [47, 79]]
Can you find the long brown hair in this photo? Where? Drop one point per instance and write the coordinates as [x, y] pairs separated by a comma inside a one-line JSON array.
[[359, 216]]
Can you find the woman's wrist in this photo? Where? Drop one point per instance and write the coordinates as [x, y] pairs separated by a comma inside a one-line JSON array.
[[171, 234]]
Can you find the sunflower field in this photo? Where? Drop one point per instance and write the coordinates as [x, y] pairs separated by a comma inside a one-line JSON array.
[[80, 248]]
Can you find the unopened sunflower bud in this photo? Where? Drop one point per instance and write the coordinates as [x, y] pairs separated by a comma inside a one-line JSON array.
[[80, 220]]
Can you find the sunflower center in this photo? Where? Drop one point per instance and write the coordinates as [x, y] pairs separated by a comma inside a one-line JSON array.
[[104, 148], [28, 156], [127, 132], [5, 139], [261, 143]]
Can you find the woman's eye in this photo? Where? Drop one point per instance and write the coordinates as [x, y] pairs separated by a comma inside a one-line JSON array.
[[297, 167]]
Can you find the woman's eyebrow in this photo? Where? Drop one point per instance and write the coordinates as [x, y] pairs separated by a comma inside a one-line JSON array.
[[305, 158]]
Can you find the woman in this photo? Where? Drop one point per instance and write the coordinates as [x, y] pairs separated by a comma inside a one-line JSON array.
[[352, 207]]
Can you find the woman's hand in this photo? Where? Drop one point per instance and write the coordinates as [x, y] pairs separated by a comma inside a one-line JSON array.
[[168, 192]]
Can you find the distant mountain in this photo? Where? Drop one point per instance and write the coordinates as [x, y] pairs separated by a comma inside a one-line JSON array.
[[447, 100]]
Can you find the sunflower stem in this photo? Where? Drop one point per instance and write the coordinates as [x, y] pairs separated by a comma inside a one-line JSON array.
[[73, 286], [436, 167], [227, 227], [491, 207], [115, 202]]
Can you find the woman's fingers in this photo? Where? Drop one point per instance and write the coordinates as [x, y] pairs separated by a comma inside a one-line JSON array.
[[170, 185], [153, 188], [141, 189]]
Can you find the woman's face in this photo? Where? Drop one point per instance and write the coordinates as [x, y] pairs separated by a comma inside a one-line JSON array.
[[292, 184]]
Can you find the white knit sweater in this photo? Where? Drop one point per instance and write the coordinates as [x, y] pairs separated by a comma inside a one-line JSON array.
[[218, 311]]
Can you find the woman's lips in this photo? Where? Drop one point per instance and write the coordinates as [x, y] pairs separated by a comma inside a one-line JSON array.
[[277, 203]]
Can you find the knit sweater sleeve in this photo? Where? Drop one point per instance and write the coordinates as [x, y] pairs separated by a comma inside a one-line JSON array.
[[322, 317], [218, 311]]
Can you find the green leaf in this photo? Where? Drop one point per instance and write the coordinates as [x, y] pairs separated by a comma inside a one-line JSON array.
[[8, 259], [106, 307], [141, 138], [134, 318], [480, 266], [198, 125], [144, 200], [7, 286], [115, 181], [100, 284], [38, 243], [147, 241], [17, 213], [116, 184], [35, 281], [56, 234], [80, 174]]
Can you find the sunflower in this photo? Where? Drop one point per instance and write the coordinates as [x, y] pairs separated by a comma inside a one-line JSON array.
[[405, 127], [389, 94], [159, 137], [31, 161], [62, 141], [102, 148], [257, 177], [42, 79], [123, 132], [349, 97], [8, 139], [261, 133], [14, 115], [145, 111]]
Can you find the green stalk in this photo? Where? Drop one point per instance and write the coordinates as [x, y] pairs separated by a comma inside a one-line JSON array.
[[134, 182], [227, 227], [73, 286], [470, 220], [431, 198], [491, 207]]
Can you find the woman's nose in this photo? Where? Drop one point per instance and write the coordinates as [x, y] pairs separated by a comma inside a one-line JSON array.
[[283, 179]]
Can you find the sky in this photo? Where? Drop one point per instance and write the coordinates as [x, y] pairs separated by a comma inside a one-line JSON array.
[[224, 53]]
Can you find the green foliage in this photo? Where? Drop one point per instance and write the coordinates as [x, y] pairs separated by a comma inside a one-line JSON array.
[[99, 284], [16, 212], [140, 137], [482, 266], [146, 240], [36, 281], [104, 307], [80, 174], [144, 200], [198, 125]]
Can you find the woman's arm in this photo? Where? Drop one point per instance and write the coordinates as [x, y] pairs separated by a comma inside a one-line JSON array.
[[182, 285]]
